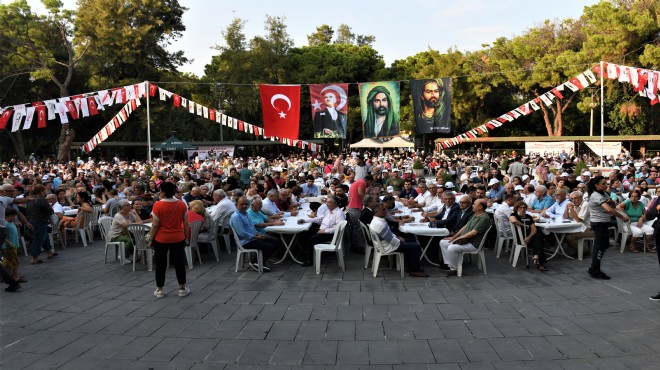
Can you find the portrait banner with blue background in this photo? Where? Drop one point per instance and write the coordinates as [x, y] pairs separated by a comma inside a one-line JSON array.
[[329, 110], [379, 102], [432, 105]]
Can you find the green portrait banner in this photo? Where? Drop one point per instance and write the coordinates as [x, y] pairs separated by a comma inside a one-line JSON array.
[[432, 105], [379, 102]]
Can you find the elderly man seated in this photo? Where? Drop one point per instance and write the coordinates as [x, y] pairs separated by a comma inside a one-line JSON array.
[[391, 243], [467, 238], [322, 229], [542, 201], [578, 210], [558, 208]]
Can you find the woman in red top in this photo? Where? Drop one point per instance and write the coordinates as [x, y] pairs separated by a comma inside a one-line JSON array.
[[169, 233]]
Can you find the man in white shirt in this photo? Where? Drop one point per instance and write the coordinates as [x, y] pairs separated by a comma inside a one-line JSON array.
[[224, 207], [434, 203], [269, 206], [557, 210], [422, 200], [322, 229]]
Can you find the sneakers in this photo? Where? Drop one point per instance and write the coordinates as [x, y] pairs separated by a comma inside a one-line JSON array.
[[444, 267], [452, 273], [655, 297], [159, 293], [184, 292], [418, 274], [255, 267], [598, 275]]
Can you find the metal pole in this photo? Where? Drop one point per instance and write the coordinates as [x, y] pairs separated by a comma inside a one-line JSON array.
[[148, 124], [602, 115]]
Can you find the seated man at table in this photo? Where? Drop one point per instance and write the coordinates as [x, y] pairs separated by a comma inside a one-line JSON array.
[[284, 202], [557, 209], [248, 235], [435, 203], [578, 211], [464, 215], [261, 221], [542, 201], [467, 238], [270, 204], [308, 188], [503, 212], [421, 200], [224, 207], [448, 215], [392, 243], [367, 213], [322, 229]]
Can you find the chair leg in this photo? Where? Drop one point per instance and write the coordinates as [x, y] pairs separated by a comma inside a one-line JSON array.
[[401, 264], [516, 254], [340, 259], [498, 250], [239, 257], [214, 245], [624, 238], [459, 267], [227, 243], [376, 262], [199, 255], [482, 257], [367, 254], [317, 260], [189, 257], [260, 262]]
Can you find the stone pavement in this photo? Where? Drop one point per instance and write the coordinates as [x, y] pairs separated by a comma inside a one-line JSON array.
[[78, 313]]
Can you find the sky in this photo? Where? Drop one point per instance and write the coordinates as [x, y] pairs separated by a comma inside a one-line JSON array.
[[401, 28]]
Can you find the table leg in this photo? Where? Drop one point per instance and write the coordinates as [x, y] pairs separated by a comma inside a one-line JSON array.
[[560, 239], [424, 251], [288, 250]]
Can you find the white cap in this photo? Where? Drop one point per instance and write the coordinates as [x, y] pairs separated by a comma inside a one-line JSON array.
[[564, 174], [390, 189], [449, 185], [525, 177], [586, 173], [616, 168], [493, 182], [518, 188]]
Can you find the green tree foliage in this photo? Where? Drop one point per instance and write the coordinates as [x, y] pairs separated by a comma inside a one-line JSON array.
[[322, 36]]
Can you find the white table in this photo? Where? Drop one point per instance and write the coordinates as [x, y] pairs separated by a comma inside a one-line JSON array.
[[290, 227], [560, 229], [424, 229]]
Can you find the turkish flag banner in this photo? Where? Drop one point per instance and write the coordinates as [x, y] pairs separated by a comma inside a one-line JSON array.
[[41, 116], [4, 118], [280, 106], [212, 114]]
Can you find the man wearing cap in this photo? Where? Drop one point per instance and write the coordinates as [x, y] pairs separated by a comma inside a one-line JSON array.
[[395, 181], [495, 191], [585, 177]]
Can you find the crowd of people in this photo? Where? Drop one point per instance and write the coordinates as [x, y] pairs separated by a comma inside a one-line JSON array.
[[450, 191]]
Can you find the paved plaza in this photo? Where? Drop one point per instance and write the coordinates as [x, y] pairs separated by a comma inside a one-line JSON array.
[[78, 313]]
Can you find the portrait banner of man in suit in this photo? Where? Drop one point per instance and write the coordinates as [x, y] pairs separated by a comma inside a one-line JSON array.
[[379, 102], [432, 105], [329, 109]]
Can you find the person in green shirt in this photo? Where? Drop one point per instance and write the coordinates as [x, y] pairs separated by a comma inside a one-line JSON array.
[[395, 181], [467, 238]]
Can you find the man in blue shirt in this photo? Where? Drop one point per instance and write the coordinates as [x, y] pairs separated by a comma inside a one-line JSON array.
[[308, 188], [542, 201], [496, 189], [248, 235]]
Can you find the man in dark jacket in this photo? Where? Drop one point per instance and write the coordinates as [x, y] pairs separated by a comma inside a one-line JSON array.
[[464, 214], [448, 216]]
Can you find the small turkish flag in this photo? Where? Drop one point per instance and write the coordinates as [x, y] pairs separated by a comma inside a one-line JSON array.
[[280, 106], [177, 100], [211, 114], [93, 110], [152, 90], [41, 116], [71, 106], [5, 118]]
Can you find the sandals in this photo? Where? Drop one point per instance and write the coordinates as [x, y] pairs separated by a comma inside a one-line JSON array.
[[633, 249], [36, 262], [650, 249], [54, 254], [542, 268]]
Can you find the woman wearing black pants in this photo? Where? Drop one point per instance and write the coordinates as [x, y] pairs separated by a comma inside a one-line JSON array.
[[601, 209], [169, 233]]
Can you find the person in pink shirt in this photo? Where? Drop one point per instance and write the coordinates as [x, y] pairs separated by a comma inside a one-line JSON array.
[[356, 193]]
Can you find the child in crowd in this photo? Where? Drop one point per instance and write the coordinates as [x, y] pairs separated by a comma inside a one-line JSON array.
[[10, 246]]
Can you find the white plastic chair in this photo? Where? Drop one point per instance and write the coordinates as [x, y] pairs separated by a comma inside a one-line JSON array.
[[104, 224], [379, 252], [481, 261], [97, 210], [114, 209], [518, 245], [580, 246], [138, 232], [194, 232], [369, 245], [225, 231], [624, 230], [502, 238], [334, 246], [240, 251], [210, 237], [80, 228]]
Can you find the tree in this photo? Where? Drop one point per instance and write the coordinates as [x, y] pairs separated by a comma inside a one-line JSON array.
[[322, 36], [42, 46], [345, 35]]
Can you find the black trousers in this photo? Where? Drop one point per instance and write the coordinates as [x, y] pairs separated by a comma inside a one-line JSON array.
[[177, 258], [266, 246], [310, 238], [601, 243]]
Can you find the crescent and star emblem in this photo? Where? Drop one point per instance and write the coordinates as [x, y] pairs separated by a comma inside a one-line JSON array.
[[277, 97]]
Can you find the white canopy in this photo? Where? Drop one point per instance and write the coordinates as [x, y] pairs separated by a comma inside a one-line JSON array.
[[367, 143], [398, 142]]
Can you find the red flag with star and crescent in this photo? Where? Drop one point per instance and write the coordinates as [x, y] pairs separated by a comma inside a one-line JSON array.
[[280, 106]]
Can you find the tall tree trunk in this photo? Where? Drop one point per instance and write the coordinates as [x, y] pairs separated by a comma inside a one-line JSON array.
[[553, 115], [18, 144]]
